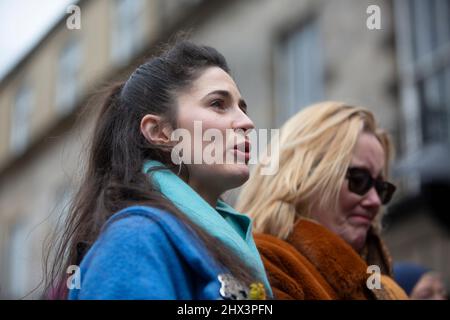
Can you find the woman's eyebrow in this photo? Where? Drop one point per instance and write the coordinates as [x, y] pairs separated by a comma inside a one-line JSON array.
[[224, 93], [368, 168], [227, 94]]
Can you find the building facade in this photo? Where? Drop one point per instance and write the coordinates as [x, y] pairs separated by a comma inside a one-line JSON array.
[[284, 55]]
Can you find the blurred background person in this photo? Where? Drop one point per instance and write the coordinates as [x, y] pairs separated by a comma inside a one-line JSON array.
[[420, 283], [318, 218]]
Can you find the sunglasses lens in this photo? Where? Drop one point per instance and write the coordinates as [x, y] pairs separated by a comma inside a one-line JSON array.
[[385, 190], [359, 182]]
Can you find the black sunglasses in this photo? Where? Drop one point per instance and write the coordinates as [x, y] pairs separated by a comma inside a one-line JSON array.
[[360, 181]]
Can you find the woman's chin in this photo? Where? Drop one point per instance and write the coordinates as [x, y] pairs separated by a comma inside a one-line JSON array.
[[237, 174], [358, 240]]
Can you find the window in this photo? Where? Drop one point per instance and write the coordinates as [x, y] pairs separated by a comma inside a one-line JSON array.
[[300, 67], [127, 29], [68, 68], [423, 33], [21, 119]]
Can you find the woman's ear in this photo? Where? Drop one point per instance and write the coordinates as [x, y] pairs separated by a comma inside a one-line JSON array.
[[155, 130]]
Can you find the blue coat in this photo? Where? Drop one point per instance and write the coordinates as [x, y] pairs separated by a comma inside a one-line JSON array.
[[146, 253]]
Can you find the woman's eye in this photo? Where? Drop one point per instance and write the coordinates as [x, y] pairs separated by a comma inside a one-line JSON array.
[[217, 104], [359, 179]]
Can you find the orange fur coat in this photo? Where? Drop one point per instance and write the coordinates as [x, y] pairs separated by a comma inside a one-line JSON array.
[[315, 264]]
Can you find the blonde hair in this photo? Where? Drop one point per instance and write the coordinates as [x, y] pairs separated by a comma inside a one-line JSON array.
[[315, 150]]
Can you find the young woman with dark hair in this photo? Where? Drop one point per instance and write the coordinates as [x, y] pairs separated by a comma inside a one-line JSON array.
[[143, 227]]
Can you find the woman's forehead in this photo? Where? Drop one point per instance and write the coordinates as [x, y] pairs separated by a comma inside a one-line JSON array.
[[214, 79], [369, 153]]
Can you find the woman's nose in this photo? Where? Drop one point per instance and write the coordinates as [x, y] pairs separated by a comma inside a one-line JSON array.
[[242, 122], [372, 198]]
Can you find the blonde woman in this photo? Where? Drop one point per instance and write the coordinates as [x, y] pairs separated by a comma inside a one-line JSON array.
[[317, 219]]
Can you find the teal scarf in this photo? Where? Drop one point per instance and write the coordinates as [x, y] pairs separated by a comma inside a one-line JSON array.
[[223, 222]]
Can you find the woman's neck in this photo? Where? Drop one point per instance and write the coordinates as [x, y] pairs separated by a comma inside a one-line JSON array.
[[205, 191], [208, 195]]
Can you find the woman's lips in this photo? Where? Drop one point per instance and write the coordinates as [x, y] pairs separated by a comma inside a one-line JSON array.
[[361, 218], [244, 146], [242, 155], [242, 150]]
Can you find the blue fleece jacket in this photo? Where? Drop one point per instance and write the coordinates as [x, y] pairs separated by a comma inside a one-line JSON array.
[[146, 253], [222, 222]]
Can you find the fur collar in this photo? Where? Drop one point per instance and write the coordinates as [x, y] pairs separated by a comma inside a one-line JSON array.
[[336, 261]]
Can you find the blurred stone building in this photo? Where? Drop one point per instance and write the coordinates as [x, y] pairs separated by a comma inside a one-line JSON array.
[[284, 55]]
